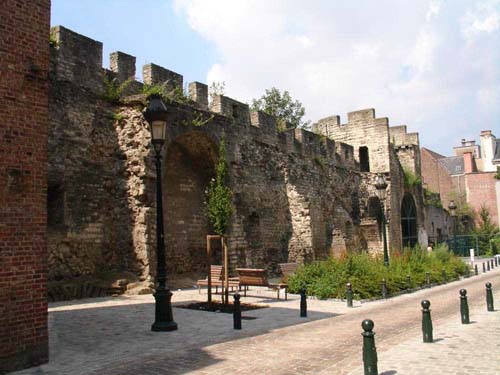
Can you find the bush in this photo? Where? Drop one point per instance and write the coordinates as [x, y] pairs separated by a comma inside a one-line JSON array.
[[327, 279]]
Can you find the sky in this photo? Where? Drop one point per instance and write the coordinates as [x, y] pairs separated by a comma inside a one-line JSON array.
[[429, 64]]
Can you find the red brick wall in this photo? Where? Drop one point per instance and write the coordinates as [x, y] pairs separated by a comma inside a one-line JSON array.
[[481, 191], [437, 178], [24, 60]]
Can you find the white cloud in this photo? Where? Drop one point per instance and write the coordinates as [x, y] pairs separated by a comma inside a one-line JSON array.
[[432, 65], [483, 18]]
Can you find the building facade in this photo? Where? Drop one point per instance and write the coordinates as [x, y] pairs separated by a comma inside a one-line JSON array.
[[24, 66]]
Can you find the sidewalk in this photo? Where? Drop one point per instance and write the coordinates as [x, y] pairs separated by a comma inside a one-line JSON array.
[[112, 335]]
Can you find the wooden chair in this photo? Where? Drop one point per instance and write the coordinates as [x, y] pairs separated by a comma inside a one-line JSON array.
[[287, 269], [217, 279], [258, 277]]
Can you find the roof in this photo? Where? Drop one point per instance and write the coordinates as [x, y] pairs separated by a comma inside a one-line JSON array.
[[454, 164], [434, 154]]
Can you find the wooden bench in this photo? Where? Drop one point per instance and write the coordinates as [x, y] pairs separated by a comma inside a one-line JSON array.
[[258, 277], [217, 279], [287, 269]]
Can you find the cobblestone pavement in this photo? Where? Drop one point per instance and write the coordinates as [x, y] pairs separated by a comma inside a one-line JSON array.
[[113, 337]]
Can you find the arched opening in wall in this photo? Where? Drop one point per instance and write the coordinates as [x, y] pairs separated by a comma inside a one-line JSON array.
[[188, 168], [409, 221], [364, 159]]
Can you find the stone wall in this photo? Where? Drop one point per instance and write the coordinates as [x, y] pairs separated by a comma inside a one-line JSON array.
[[24, 47]]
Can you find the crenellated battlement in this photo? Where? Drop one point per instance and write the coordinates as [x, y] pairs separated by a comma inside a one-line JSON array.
[[78, 59], [400, 137]]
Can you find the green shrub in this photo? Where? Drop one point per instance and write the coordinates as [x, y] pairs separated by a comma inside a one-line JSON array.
[[113, 89], [327, 279]]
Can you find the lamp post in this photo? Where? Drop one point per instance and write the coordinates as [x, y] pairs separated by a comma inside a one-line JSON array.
[[452, 206], [381, 186], [156, 116]]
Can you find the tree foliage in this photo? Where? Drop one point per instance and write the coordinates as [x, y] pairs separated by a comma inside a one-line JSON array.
[[486, 226], [218, 203], [288, 111]]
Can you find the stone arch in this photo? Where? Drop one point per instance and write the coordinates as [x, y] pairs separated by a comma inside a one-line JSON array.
[[409, 221], [189, 165]]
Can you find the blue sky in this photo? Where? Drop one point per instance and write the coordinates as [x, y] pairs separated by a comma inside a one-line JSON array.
[[433, 65], [148, 29]]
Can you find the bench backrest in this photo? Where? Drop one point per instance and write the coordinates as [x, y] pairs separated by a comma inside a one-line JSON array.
[[216, 272], [253, 276]]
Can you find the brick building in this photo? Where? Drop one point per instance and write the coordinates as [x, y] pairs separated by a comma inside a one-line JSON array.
[[24, 65], [469, 173]]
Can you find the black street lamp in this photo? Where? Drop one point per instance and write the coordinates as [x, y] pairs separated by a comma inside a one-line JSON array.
[[381, 186], [156, 116], [452, 206]]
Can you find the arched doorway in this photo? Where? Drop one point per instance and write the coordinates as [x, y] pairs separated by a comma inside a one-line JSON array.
[[409, 221], [189, 166]]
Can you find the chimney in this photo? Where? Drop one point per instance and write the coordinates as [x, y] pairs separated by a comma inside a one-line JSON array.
[[469, 166]]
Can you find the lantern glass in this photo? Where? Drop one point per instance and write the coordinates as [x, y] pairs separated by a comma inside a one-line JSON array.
[[158, 129], [381, 186]]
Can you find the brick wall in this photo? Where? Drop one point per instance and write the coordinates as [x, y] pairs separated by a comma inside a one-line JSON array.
[[24, 53], [436, 177], [481, 191]]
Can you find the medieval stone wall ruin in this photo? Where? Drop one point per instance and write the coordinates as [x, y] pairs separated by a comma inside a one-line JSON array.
[[298, 195]]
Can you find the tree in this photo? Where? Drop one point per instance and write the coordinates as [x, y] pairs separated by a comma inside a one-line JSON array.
[[486, 226], [289, 112], [486, 231], [218, 204]]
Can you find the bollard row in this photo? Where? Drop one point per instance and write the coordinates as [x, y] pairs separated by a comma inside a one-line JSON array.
[[369, 350]]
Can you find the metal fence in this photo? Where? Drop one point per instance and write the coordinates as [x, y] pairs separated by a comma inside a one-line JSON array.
[[483, 244]]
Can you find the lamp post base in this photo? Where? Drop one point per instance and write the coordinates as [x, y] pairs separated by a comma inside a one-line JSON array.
[[163, 326], [163, 311]]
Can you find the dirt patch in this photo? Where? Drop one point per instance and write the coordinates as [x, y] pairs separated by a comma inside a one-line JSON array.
[[219, 307]]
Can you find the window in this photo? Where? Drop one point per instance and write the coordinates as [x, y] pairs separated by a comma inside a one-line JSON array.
[[364, 159], [409, 221]]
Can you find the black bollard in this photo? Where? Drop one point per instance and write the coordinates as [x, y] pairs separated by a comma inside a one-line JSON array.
[[484, 268], [303, 303], [475, 270], [496, 261], [349, 294], [408, 283], [489, 297], [443, 275], [488, 266], [426, 321], [237, 312], [464, 307], [428, 279], [384, 289], [369, 349]]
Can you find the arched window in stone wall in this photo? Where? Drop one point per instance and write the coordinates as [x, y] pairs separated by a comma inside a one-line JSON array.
[[409, 221], [364, 159]]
